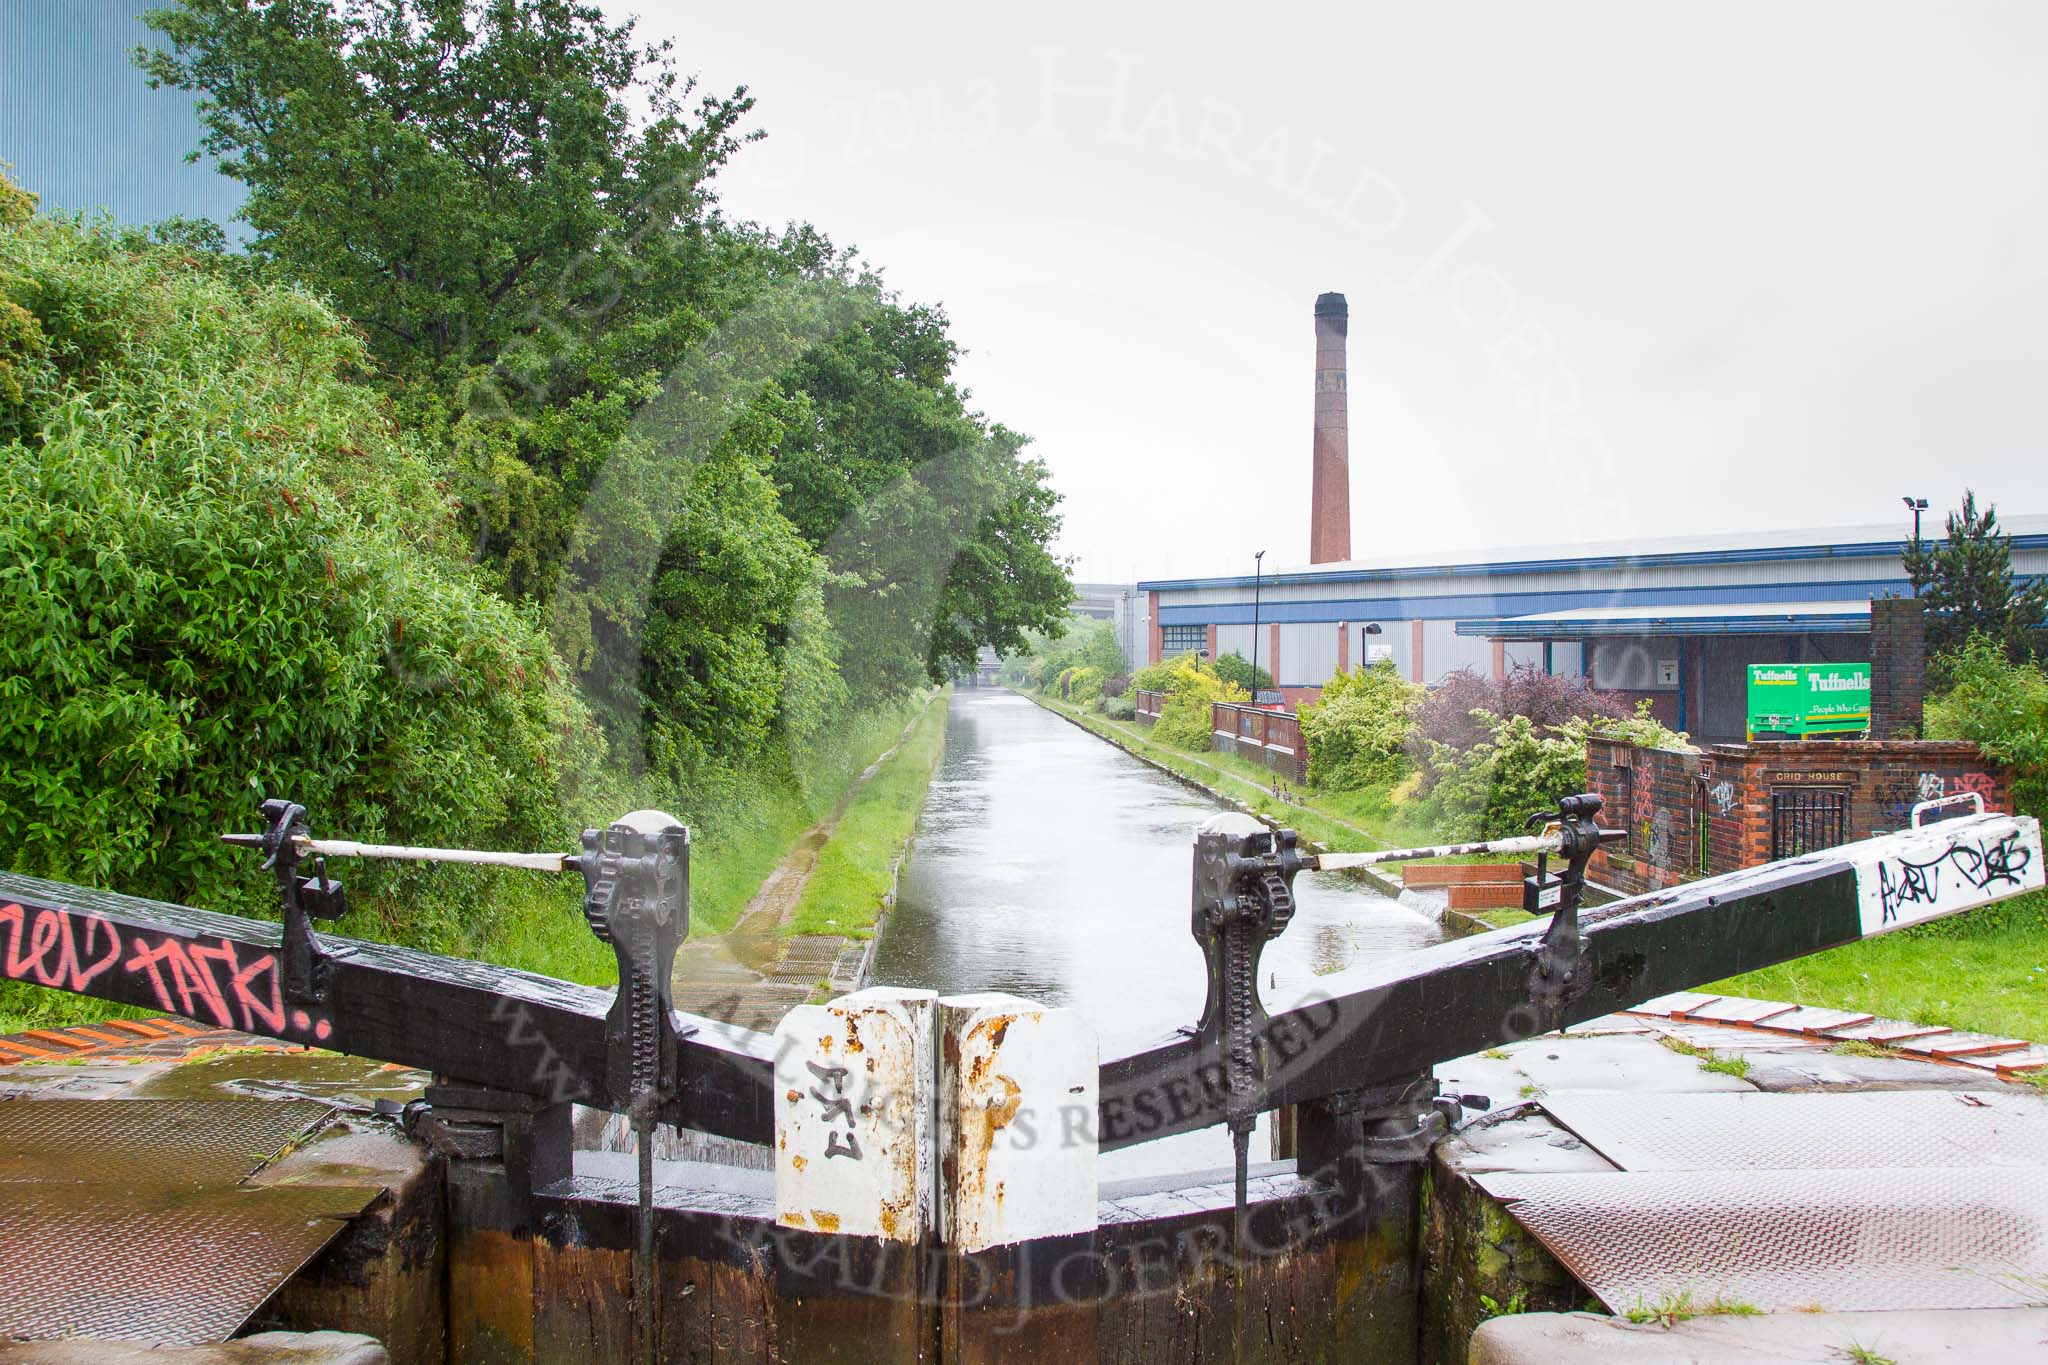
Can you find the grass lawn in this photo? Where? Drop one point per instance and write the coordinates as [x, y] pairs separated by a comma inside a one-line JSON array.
[[1985, 971], [844, 892]]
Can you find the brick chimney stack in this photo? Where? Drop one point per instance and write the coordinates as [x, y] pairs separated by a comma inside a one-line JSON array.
[[1329, 526], [1898, 667]]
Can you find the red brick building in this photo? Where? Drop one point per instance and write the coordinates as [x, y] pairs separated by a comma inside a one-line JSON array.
[[1732, 806]]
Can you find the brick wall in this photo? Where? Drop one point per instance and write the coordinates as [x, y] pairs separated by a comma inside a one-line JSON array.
[[1148, 704], [1701, 814], [1269, 737]]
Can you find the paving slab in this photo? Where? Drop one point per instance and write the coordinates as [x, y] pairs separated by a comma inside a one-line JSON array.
[[1525, 1070], [1906, 1338]]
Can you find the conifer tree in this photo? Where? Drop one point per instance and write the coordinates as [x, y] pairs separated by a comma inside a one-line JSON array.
[[1965, 579]]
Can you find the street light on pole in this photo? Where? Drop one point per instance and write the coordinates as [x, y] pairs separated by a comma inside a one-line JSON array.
[[1916, 506], [1258, 574]]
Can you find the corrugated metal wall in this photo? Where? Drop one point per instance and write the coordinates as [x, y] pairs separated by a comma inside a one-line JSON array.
[[1308, 655], [83, 128]]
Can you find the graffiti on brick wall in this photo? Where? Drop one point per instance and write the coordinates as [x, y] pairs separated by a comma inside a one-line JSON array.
[[1722, 794], [1660, 837]]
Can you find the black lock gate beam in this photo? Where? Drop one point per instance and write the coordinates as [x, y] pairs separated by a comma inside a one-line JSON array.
[[1386, 1023], [491, 1026]]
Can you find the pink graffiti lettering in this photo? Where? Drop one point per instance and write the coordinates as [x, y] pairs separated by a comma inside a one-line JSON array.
[[194, 983], [1980, 783], [200, 979], [254, 1010], [73, 966]]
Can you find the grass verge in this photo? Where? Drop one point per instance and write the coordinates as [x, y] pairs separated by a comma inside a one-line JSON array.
[[845, 890], [1984, 972], [1347, 821]]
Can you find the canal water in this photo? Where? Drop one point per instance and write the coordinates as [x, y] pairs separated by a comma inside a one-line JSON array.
[[1053, 865]]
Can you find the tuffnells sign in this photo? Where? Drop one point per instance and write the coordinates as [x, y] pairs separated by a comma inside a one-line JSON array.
[[1808, 699]]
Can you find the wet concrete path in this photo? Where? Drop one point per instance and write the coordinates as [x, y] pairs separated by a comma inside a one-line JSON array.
[[1053, 865]]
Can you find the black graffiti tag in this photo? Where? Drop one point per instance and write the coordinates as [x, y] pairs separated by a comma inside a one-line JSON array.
[[1983, 866], [835, 1106]]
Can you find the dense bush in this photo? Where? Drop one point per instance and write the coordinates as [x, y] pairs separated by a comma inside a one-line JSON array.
[[1159, 677], [1079, 644], [1489, 789], [1186, 720], [1357, 733], [1119, 708], [2001, 706], [1117, 685], [1080, 685], [1238, 671], [1447, 716], [224, 572]]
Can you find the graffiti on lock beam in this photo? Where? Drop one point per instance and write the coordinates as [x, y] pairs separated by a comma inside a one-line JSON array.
[[1981, 866], [214, 981]]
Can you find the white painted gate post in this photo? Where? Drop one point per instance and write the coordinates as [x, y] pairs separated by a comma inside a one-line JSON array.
[[1018, 1084], [853, 1115]]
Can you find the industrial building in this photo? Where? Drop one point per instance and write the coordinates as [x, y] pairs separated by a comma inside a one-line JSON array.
[[1118, 604], [1675, 621]]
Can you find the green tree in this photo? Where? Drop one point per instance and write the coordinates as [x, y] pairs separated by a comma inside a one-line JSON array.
[[2001, 706], [452, 172], [1965, 580], [225, 571], [935, 524], [514, 198], [1081, 643], [1237, 670]]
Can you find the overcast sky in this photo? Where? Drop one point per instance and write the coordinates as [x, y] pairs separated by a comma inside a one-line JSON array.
[[1614, 269]]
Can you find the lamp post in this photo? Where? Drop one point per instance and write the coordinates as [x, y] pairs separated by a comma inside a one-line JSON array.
[[1916, 506], [1258, 574]]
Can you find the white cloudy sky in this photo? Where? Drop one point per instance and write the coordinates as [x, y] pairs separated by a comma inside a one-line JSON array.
[[1614, 269]]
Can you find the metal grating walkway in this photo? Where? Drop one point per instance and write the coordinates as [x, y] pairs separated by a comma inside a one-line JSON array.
[[1850, 1202], [131, 1219]]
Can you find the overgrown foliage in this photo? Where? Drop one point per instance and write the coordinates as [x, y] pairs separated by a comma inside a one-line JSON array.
[[1490, 789], [734, 468], [2002, 707], [1357, 734], [1078, 643], [1186, 720], [1449, 714], [223, 570], [1159, 677], [1965, 581], [1238, 671], [501, 486]]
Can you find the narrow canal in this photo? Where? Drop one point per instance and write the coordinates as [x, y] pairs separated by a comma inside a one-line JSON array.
[[1053, 865]]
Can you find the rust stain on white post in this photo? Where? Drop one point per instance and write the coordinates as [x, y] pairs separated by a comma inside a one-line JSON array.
[[853, 1104], [1017, 1099]]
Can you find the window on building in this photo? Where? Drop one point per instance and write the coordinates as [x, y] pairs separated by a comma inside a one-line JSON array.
[[1182, 639]]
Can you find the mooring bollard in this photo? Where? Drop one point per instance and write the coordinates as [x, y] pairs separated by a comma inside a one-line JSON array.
[[1018, 1086], [853, 1127]]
